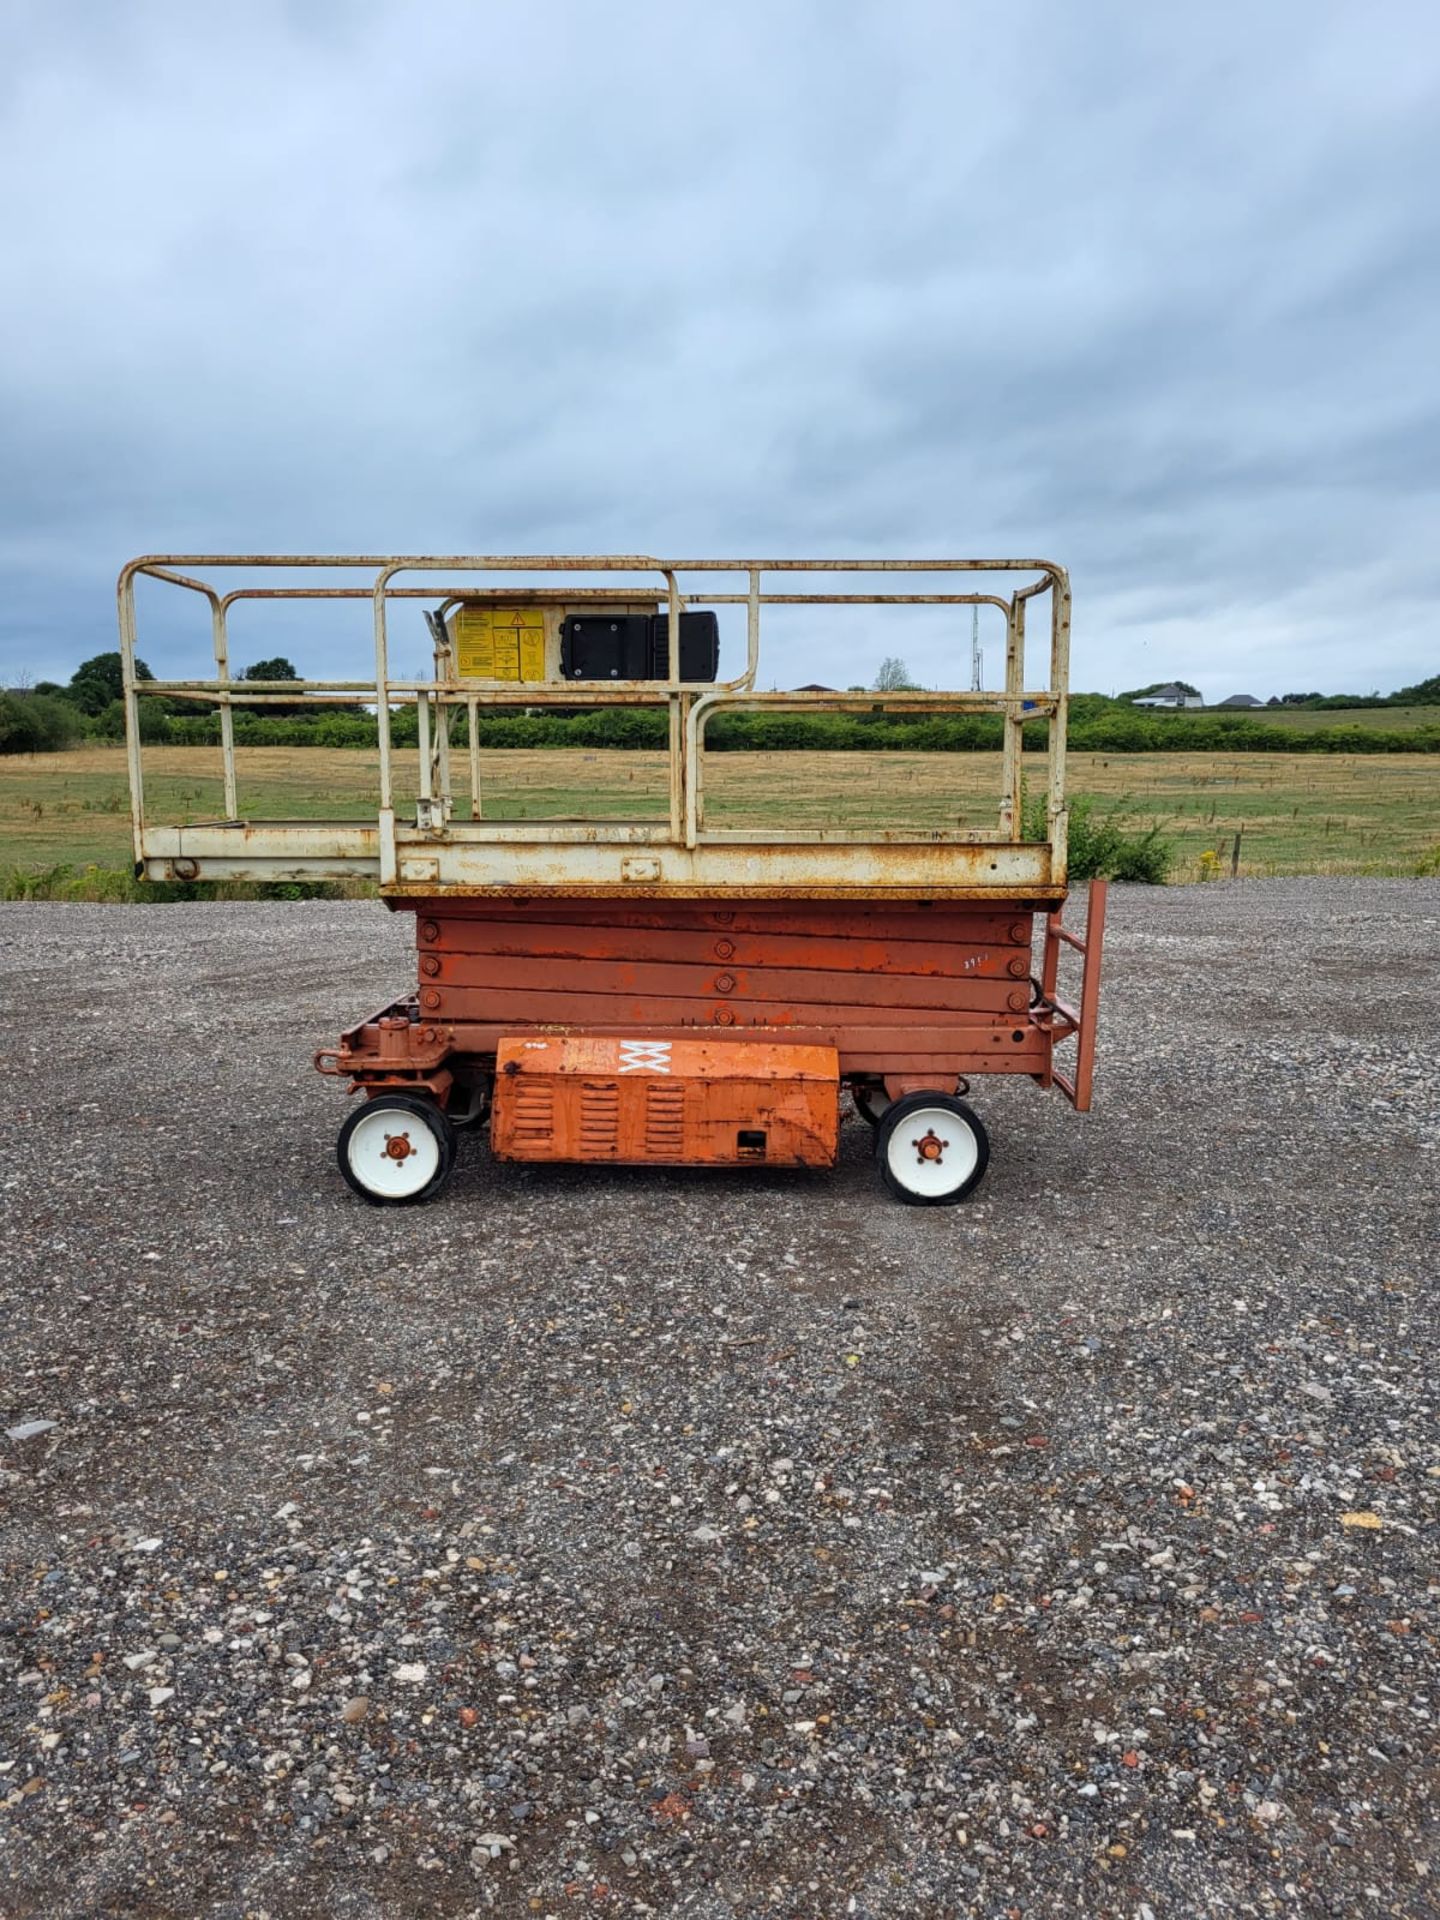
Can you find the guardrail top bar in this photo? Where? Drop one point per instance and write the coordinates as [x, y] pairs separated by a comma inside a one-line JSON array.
[[589, 563]]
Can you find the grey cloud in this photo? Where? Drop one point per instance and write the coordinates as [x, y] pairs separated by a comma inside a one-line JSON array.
[[1152, 293]]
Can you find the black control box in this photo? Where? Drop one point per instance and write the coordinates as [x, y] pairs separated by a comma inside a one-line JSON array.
[[605, 646], [636, 646], [699, 646]]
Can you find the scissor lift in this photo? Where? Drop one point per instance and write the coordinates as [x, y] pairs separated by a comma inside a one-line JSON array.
[[666, 990]]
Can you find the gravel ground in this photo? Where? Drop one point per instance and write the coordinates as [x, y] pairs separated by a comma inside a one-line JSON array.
[[715, 1545]]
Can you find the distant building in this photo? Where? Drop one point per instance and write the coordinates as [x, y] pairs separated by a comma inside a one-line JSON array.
[[1242, 700], [1171, 696], [814, 686]]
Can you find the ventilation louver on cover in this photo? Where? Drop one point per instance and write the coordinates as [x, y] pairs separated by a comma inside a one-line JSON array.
[[535, 1113], [664, 1120], [600, 1120]]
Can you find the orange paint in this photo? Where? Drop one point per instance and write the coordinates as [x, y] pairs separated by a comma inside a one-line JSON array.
[[583, 1096]]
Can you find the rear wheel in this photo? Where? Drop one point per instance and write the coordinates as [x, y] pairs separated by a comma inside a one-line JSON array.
[[396, 1149], [932, 1149]]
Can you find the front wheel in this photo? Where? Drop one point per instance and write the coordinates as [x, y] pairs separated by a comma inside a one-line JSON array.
[[396, 1149], [932, 1149]]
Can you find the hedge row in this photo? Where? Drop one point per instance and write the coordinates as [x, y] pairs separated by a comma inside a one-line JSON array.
[[37, 723], [639, 727]]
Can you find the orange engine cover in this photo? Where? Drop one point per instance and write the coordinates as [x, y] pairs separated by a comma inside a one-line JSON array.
[[672, 1102]]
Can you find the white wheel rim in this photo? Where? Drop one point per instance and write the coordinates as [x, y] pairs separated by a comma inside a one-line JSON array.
[[932, 1151], [392, 1152]]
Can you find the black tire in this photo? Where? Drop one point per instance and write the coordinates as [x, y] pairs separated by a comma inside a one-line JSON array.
[[899, 1132], [359, 1151]]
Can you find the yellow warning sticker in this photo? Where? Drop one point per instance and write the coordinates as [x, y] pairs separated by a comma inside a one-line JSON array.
[[500, 643]]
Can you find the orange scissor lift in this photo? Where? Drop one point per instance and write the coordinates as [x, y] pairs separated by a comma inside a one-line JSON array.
[[666, 989]]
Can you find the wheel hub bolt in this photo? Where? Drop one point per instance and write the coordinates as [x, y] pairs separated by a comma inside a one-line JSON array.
[[397, 1146], [930, 1146]]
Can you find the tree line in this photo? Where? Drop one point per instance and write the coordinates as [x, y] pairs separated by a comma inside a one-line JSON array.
[[91, 706], [48, 716]]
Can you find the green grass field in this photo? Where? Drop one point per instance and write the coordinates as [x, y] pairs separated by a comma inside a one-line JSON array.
[[1387, 719], [1340, 813]]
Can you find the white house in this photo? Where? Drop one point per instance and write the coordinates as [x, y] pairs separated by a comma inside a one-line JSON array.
[[1171, 696]]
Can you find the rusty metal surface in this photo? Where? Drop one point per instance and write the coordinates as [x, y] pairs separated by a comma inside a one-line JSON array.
[[984, 989], [590, 968], [561, 994], [630, 861], [1082, 1021], [690, 1102], [813, 942], [937, 1053], [860, 920], [274, 848], [935, 993], [929, 869], [1062, 1019]]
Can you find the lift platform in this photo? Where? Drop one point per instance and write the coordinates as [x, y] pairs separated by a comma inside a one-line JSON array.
[[672, 988]]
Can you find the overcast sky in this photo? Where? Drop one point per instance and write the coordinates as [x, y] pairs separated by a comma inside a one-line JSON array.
[[1151, 291]]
